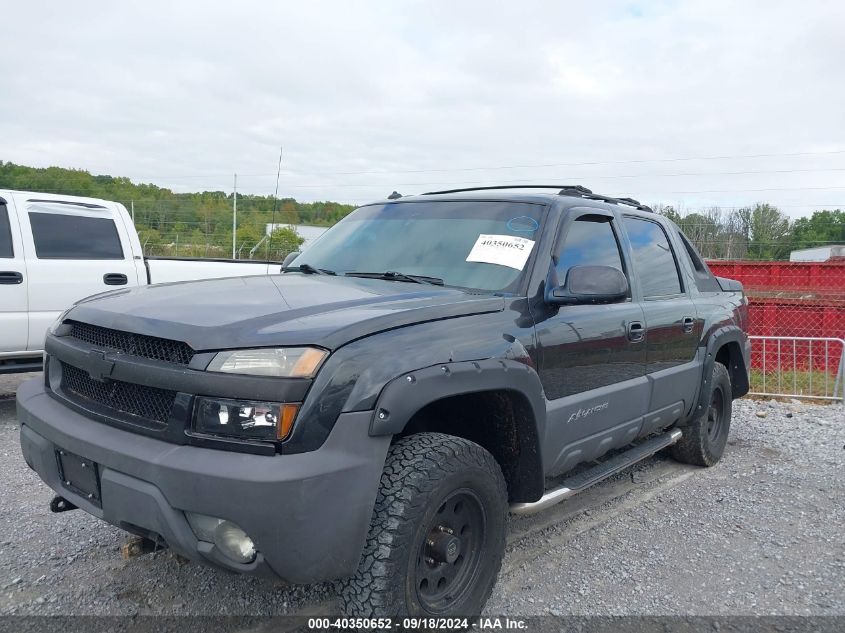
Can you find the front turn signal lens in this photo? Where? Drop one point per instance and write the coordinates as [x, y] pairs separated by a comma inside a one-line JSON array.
[[288, 415], [308, 362], [244, 419]]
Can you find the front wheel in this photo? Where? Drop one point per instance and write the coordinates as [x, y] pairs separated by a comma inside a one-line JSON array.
[[705, 438], [437, 536]]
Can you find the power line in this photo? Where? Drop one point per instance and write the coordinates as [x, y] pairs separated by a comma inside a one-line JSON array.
[[570, 177], [221, 221], [515, 183], [488, 180], [496, 167], [757, 190], [586, 163], [522, 181], [182, 199], [541, 165]]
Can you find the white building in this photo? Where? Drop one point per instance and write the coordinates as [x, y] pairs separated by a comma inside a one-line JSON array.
[[819, 254]]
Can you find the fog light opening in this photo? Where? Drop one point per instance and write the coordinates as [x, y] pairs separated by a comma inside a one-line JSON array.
[[234, 543], [229, 539]]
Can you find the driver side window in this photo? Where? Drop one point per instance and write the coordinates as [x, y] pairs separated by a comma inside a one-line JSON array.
[[589, 241]]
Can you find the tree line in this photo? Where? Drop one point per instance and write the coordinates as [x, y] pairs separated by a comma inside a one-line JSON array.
[[186, 224], [200, 224], [759, 232]]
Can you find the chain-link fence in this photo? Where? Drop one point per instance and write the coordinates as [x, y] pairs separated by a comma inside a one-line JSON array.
[[212, 247], [797, 320]]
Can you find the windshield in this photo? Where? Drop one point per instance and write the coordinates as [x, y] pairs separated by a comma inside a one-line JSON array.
[[479, 245]]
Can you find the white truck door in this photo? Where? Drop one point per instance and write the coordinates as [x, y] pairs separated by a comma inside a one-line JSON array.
[[75, 249], [14, 318]]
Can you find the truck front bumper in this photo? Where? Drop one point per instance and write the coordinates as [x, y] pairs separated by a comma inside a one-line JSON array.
[[308, 514]]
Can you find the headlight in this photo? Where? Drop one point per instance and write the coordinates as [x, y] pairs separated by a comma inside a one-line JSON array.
[[283, 362], [244, 419]]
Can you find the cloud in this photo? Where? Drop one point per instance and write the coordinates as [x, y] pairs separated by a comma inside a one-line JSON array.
[[416, 93]]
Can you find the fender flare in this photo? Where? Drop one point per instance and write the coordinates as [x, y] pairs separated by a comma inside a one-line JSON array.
[[405, 395], [719, 338]]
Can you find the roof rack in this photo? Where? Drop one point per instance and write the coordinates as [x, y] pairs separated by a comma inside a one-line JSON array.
[[87, 205], [563, 190], [597, 196], [561, 187]]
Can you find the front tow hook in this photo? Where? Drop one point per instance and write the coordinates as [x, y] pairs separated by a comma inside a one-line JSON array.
[[60, 504]]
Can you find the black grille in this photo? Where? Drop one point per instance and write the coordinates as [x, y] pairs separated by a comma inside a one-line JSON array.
[[124, 398], [135, 344]]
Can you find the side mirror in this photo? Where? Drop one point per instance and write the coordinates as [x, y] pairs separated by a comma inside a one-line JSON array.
[[289, 258], [591, 284]]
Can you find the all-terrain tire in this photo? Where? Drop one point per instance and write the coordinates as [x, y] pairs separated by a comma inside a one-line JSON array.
[[412, 526], [704, 440]]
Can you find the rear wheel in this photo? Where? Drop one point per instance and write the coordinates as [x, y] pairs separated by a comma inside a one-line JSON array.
[[437, 536], [704, 440]]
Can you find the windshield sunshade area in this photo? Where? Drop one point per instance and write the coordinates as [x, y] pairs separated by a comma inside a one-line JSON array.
[[473, 244]]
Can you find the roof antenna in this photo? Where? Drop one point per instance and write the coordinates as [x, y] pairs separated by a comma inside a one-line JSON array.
[[275, 201], [394, 196]]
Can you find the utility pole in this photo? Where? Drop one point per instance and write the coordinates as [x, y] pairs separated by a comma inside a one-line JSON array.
[[132, 204], [235, 219]]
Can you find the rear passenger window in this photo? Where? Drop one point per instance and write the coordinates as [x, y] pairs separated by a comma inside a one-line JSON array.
[[653, 258], [60, 236], [693, 254], [590, 241], [704, 279], [6, 250]]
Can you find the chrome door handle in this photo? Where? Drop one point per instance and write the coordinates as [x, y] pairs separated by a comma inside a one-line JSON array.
[[689, 324], [636, 331]]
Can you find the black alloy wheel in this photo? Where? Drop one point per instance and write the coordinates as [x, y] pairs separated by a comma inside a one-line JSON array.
[[449, 555]]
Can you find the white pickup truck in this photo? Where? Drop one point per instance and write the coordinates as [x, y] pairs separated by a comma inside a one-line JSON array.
[[56, 250]]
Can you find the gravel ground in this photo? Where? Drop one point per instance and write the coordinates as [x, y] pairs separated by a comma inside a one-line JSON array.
[[760, 533], [9, 383]]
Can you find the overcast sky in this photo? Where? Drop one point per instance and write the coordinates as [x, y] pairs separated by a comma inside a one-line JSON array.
[[371, 97]]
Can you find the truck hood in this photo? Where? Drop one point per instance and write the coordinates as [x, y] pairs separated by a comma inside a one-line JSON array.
[[290, 309]]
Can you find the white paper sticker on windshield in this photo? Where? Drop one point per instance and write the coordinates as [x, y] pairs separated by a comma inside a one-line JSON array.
[[505, 250]]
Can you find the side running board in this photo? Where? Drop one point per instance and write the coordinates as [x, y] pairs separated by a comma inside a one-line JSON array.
[[21, 365], [584, 480]]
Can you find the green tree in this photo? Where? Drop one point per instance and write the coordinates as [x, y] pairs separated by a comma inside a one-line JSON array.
[[669, 211], [282, 241], [768, 230], [704, 231], [820, 229], [248, 237], [161, 214]]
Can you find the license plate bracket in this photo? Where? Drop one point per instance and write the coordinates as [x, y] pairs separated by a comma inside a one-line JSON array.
[[79, 475]]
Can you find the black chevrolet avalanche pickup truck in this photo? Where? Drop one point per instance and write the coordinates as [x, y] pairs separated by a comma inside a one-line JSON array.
[[371, 414]]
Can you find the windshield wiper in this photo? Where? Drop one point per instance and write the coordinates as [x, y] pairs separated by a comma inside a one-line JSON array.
[[392, 275], [308, 269]]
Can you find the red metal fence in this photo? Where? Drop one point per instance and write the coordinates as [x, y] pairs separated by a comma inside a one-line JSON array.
[[792, 299]]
